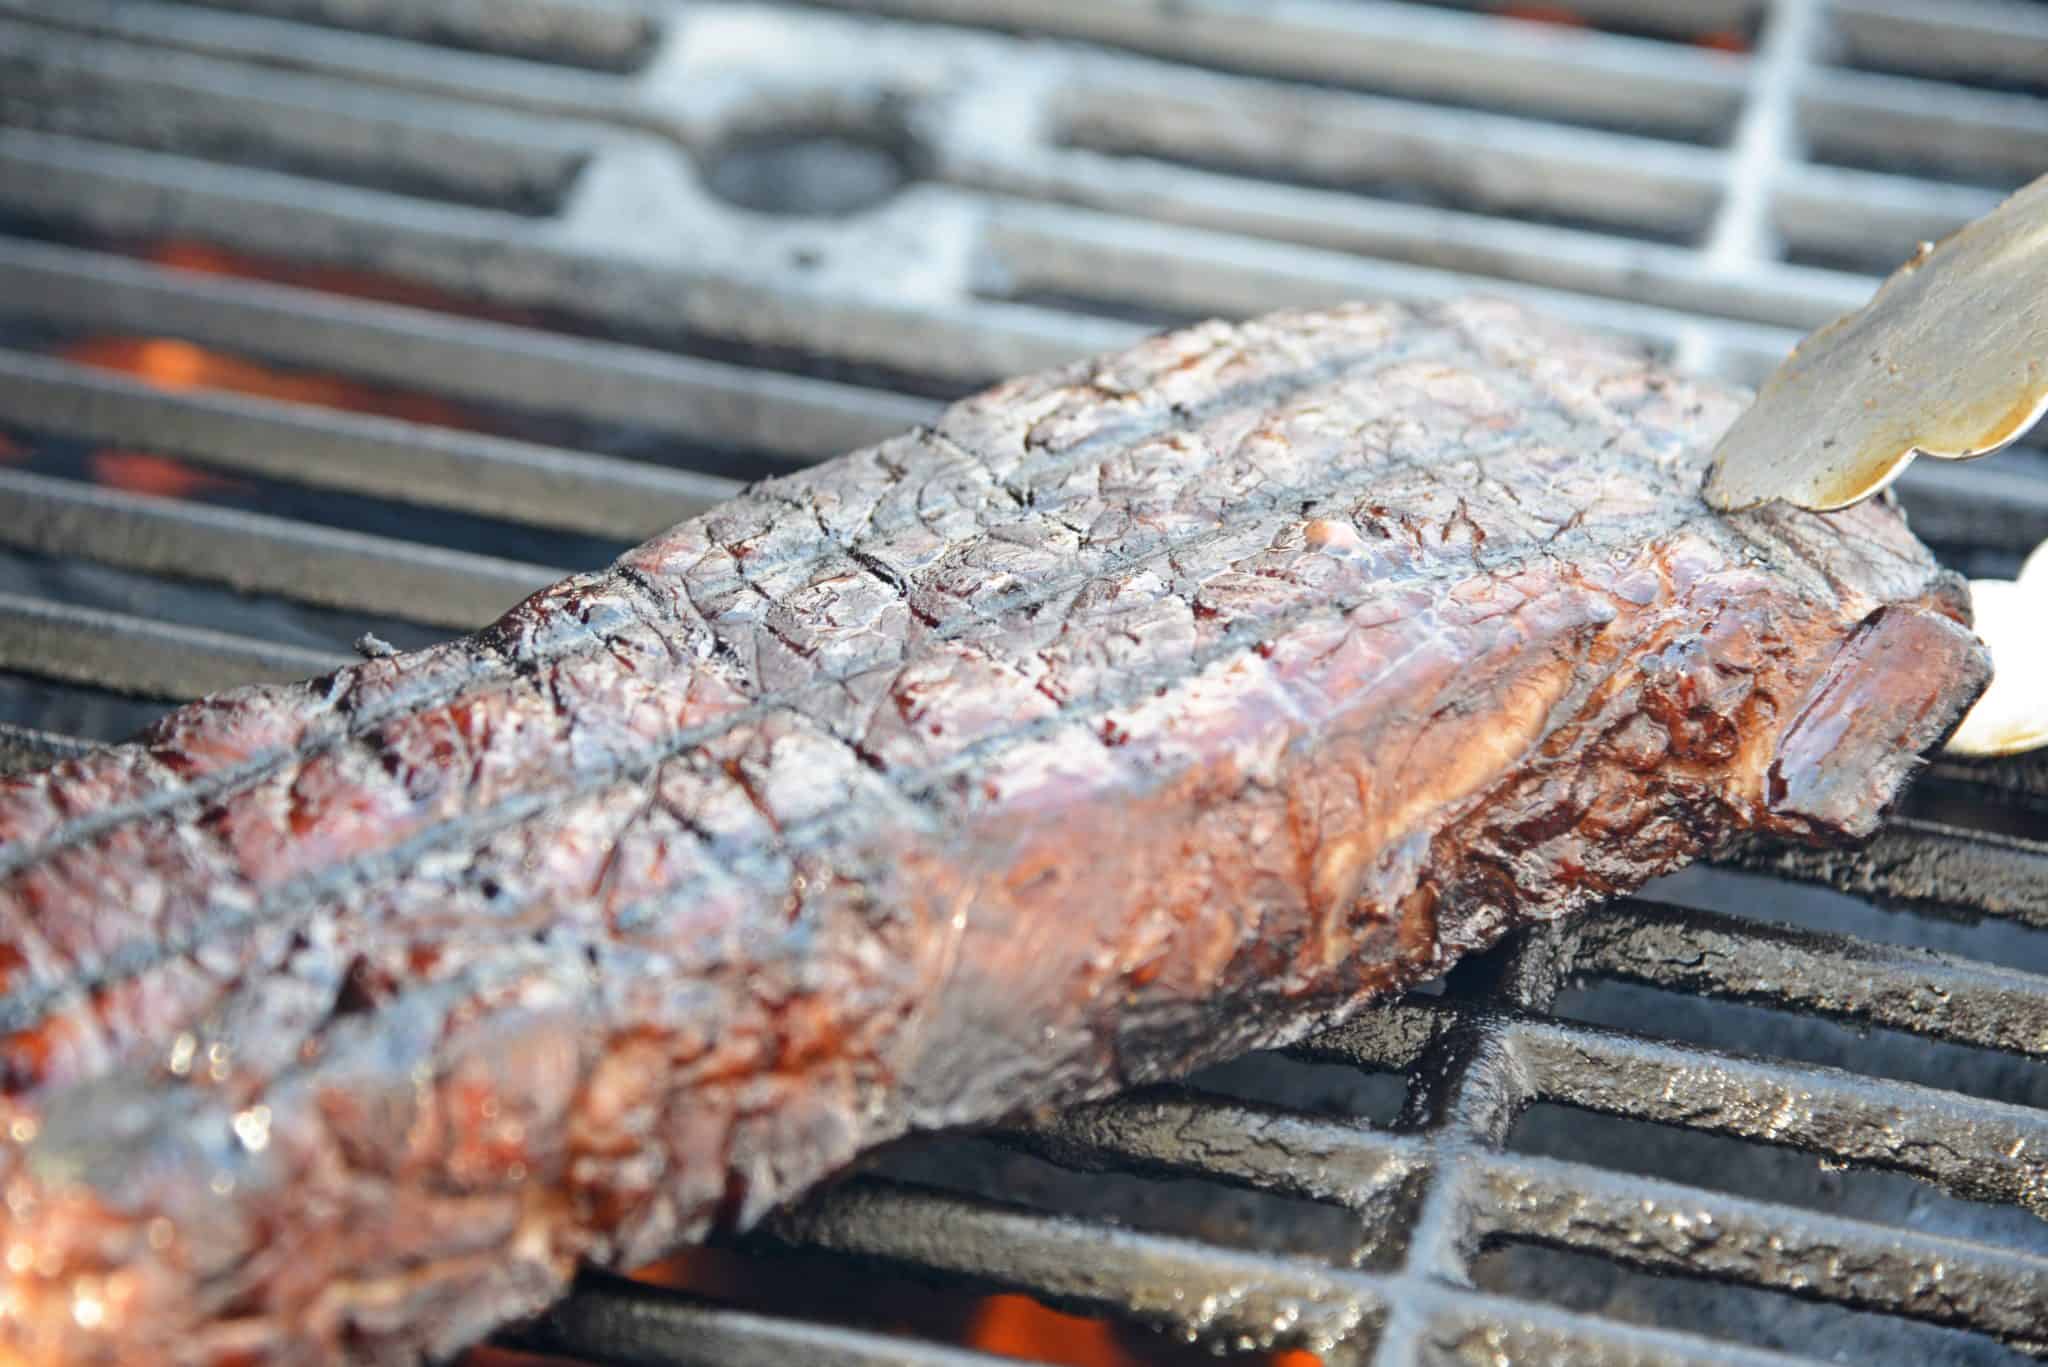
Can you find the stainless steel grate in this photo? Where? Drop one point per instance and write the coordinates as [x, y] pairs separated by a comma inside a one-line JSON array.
[[325, 317]]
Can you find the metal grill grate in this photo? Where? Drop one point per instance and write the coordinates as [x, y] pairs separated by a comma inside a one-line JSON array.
[[1437, 1186], [323, 317]]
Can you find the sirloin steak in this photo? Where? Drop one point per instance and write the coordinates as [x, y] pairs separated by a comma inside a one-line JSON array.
[[1134, 715]]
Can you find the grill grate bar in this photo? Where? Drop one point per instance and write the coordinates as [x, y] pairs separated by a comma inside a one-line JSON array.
[[2020, 778], [1628, 1218], [1862, 217], [1466, 1326], [922, 253], [1460, 1097], [702, 401], [1847, 978], [601, 36], [1658, 1226], [1920, 863], [1967, 39], [357, 56], [1221, 1295], [1194, 1289], [260, 554], [1974, 1149], [1665, 1227], [1472, 59], [1363, 1169], [1654, 187], [1070, 251], [127, 654], [1870, 119], [104, 90], [385, 457]]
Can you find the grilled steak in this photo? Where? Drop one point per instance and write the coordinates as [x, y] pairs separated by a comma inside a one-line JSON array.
[[1134, 715]]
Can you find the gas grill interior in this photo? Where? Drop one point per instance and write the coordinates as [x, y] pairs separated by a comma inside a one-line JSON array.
[[325, 318]]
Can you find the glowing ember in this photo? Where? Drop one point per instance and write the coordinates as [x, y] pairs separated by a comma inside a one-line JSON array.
[[812, 1286], [709, 1272], [1564, 16], [204, 259], [505, 1357], [1544, 14], [169, 363], [1017, 1326], [140, 472]]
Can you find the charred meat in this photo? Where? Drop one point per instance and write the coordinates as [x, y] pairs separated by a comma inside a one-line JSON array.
[[1133, 715]]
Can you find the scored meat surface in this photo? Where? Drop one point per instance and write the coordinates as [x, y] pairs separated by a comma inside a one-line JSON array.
[[1137, 714]]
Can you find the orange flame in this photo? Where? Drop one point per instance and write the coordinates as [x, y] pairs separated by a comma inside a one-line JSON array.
[[141, 472], [168, 363], [1564, 16], [709, 1272], [202, 258], [1532, 13], [1003, 1325], [506, 1357], [1019, 1327]]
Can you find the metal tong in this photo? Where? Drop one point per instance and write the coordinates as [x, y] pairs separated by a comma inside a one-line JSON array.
[[1949, 359]]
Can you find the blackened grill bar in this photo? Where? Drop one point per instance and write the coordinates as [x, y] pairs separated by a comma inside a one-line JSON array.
[[1175, 230], [1924, 863]]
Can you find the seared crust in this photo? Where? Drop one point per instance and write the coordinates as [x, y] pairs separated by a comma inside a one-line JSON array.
[[1136, 714]]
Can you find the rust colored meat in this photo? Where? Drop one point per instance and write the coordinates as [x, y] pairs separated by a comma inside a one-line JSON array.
[[1134, 715]]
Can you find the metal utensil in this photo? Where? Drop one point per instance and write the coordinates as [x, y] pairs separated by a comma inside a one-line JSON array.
[[1949, 359]]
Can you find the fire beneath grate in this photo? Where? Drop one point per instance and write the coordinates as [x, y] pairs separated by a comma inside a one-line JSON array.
[[319, 319]]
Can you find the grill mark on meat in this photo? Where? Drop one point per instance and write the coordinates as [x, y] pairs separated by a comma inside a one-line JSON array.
[[496, 666], [282, 904], [132, 958], [509, 666], [1027, 596], [1200, 792], [913, 787], [919, 786]]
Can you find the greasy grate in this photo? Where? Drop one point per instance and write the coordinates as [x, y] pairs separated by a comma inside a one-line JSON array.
[[1442, 1184], [324, 317]]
